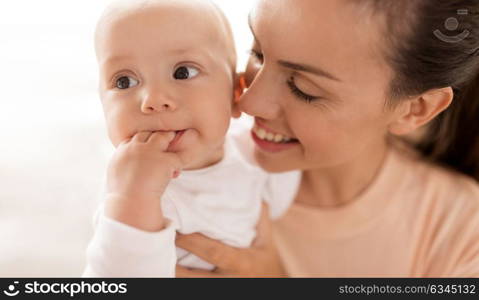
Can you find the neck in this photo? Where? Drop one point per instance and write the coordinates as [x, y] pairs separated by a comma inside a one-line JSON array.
[[341, 184]]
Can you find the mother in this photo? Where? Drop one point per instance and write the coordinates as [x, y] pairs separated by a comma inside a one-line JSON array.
[[349, 80]]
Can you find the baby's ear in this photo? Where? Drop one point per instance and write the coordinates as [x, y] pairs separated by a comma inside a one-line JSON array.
[[239, 88]]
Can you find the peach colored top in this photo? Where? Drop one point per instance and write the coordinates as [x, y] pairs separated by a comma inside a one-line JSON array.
[[415, 220]]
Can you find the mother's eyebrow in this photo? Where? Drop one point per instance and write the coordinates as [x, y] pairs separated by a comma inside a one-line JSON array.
[[309, 69]]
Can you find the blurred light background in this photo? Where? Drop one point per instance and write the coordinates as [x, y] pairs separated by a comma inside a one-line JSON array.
[[53, 143]]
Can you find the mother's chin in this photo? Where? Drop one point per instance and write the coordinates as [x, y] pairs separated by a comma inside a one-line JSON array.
[[277, 162]]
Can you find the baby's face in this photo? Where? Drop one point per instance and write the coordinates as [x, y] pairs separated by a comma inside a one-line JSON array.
[[166, 69]]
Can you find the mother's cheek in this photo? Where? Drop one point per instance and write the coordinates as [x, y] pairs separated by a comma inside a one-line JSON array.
[[328, 143]]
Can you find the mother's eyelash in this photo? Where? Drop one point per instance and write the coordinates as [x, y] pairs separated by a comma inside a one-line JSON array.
[[259, 56], [298, 93]]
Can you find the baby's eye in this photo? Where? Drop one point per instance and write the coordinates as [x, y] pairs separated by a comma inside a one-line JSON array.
[[126, 82], [184, 72]]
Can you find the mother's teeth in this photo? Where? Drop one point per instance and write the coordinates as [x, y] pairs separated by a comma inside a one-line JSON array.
[[270, 136], [261, 133], [278, 138]]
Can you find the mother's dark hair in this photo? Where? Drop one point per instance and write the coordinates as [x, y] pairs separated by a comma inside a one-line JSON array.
[[424, 58]]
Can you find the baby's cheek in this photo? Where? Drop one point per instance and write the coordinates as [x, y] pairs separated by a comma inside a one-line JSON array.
[[214, 131], [118, 130], [213, 116], [114, 135], [211, 134]]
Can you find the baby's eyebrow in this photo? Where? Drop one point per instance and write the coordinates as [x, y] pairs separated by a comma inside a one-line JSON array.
[[177, 51], [114, 59], [197, 51]]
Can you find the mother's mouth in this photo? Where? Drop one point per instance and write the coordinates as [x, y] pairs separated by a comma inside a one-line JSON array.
[[266, 135], [271, 146]]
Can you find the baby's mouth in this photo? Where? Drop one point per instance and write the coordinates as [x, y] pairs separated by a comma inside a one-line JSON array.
[[178, 134], [272, 137], [176, 139]]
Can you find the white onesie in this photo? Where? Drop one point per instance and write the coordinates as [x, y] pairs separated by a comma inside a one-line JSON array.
[[222, 202]]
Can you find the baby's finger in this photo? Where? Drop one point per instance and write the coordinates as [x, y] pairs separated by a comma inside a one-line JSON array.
[[175, 163], [142, 136], [176, 173], [162, 139]]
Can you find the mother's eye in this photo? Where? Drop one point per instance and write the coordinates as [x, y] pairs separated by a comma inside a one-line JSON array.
[[185, 72], [298, 93], [257, 55], [126, 82]]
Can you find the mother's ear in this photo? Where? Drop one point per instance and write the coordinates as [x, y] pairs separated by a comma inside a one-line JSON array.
[[239, 87], [418, 111]]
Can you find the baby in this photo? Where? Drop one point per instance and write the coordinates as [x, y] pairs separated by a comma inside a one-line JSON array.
[[167, 81]]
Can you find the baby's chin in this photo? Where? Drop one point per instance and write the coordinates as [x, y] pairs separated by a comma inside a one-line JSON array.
[[197, 154]]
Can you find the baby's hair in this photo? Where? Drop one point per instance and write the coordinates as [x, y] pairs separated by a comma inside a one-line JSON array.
[[228, 32], [123, 6]]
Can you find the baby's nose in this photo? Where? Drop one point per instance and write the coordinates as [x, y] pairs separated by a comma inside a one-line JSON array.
[[157, 102]]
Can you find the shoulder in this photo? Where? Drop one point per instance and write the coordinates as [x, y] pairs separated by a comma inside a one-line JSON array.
[[431, 196], [434, 181], [446, 187], [441, 207], [451, 221]]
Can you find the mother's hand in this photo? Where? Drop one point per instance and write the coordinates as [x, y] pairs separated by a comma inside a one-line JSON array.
[[260, 260]]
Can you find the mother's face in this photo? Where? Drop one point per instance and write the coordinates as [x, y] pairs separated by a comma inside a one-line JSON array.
[[317, 75]]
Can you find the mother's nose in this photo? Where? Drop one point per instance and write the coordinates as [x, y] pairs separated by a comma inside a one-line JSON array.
[[154, 100], [262, 98]]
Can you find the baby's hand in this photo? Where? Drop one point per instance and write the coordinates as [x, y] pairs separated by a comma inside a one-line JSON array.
[[138, 174]]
